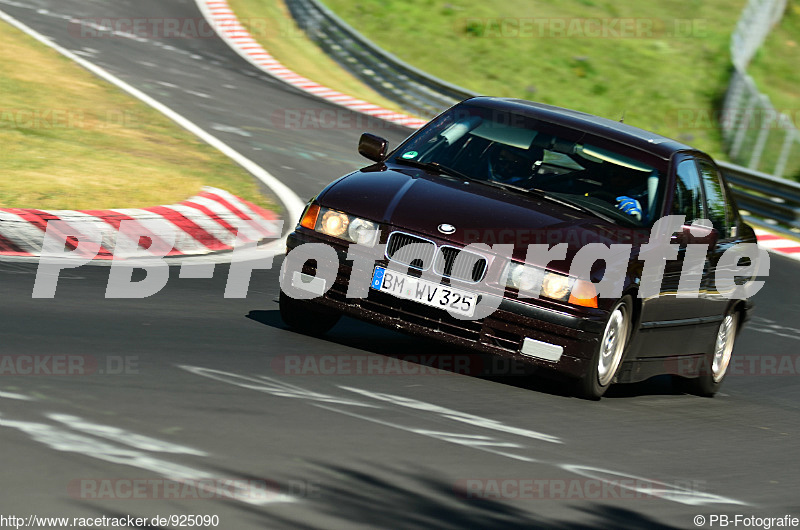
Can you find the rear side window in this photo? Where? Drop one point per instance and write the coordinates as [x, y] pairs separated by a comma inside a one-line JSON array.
[[688, 200], [719, 210]]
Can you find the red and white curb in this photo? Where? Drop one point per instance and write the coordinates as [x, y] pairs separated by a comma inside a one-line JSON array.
[[779, 244], [236, 35], [206, 223]]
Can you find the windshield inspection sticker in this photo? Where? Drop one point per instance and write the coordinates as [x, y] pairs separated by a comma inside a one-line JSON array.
[[410, 154]]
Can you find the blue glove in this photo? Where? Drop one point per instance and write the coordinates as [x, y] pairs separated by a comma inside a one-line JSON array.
[[630, 206]]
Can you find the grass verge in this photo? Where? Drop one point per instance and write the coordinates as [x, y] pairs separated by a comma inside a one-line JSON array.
[[71, 141], [665, 65]]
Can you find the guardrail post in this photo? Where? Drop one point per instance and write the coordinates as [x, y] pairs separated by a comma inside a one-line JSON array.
[[791, 134], [743, 125], [767, 119], [731, 108]]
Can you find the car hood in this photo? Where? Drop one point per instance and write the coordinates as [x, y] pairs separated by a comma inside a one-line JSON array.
[[416, 201]]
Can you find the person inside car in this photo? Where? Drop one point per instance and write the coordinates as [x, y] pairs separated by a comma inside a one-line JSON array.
[[512, 165], [629, 190]]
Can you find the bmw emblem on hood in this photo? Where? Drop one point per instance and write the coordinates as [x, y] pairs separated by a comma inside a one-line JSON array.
[[446, 228]]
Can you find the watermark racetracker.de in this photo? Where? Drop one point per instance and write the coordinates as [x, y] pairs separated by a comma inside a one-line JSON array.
[[45, 119], [566, 489], [401, 364], [67, 365], [126, 489], [172, 28], [582, 27]]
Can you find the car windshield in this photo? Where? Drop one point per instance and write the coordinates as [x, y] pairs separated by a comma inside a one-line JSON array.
[[526, 155]]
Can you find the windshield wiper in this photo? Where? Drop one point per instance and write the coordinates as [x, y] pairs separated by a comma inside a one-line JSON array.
[[444, 170], [434, 166], [564, 202]]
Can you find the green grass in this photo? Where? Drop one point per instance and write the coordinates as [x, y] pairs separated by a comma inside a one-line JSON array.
[[68, 140], [675, 66]]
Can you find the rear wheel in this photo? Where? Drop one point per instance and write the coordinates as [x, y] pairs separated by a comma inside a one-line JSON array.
[[608, 356], [302, 316], [716, 362]]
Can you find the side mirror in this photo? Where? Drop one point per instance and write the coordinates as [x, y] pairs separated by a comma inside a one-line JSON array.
[[699, 233], [372, 147]]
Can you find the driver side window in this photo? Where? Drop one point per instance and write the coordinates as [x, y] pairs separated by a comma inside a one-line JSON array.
[[717, 203]]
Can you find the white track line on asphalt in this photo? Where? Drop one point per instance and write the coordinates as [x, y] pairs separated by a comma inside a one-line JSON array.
[[14, 395], [293, 204]]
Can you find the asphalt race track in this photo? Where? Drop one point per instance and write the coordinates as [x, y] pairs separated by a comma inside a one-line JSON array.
[[187, 383]]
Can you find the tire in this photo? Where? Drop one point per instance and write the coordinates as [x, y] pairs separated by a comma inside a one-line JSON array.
[[713, 371], [610, 351], [303, 317]]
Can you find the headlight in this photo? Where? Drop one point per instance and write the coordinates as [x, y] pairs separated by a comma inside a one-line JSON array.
[[524, 277], [340, 225], [333, 223], [362, 231], [553, 285], [556, 286]]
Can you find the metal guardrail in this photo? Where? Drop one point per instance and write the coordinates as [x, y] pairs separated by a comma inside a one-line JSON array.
[[765, 200], [416, 91]]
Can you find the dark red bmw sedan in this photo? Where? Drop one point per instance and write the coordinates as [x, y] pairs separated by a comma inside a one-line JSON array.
[[575, 243]]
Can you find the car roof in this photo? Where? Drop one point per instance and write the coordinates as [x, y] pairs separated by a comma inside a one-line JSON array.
[[621, 132]]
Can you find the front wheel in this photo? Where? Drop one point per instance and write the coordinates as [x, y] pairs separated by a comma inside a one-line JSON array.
[[716, 362], [303, 317], [608, 356]]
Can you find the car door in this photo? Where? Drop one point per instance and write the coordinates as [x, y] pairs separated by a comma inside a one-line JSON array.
[[669, 320]]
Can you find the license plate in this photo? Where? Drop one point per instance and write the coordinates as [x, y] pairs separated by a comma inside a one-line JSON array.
[[425, 292]]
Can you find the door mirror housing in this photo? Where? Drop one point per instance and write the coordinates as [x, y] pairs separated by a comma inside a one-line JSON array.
[[698, 233], [372, 147]]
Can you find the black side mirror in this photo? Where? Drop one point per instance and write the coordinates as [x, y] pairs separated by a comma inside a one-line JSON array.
[[703, 234], [372, 147]]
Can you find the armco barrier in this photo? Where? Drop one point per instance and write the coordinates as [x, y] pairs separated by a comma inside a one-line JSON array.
[[205, 223], [766, 200], [417, 91]]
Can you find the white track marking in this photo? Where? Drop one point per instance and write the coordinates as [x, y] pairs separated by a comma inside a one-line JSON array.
[[14, 395], [68, 441], [455, 415], [271, 386]]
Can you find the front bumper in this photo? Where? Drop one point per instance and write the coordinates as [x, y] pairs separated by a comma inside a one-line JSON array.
[[557, 339]]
